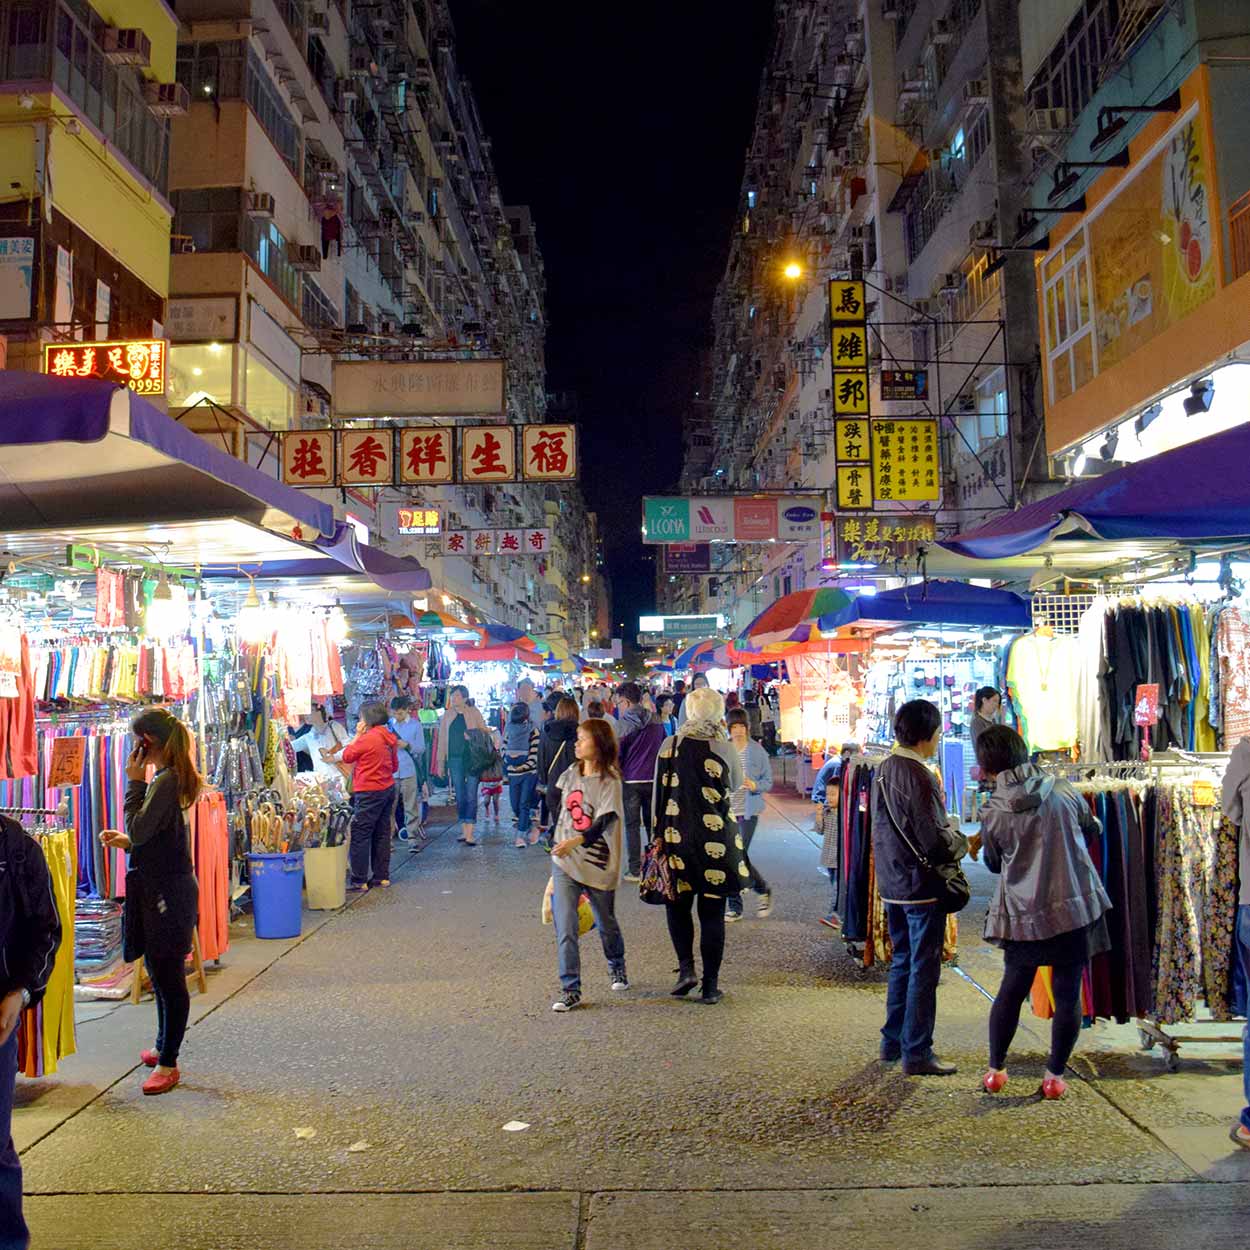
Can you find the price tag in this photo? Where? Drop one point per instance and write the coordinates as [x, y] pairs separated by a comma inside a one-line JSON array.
[[1204, 793], [68, 755]]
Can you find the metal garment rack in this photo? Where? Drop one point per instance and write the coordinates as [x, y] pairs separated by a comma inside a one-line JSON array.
[[1151, 1034]]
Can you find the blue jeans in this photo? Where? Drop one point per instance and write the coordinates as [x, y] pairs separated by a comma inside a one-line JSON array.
[[521, 795], [464, 785], [1243, 950], [916, 932], [14, 1234], [564, 900]]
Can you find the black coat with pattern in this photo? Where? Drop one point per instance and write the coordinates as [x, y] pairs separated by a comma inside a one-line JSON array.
[[694, 779]]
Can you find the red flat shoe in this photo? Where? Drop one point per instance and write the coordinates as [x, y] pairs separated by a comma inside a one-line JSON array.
[[161, 1083], [994, 1081], [149, 1057], [1054, 1087]]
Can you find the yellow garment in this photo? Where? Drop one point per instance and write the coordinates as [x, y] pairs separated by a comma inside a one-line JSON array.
[[1204, 737], [1042, 676], [60, 850]]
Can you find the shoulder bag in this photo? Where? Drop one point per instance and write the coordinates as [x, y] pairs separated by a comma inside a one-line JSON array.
[[954, 892], [656, 884]]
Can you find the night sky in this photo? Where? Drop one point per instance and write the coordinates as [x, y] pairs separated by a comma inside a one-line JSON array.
[[624, 127]]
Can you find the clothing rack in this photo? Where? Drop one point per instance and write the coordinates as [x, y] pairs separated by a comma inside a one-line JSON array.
[[1174, 763]]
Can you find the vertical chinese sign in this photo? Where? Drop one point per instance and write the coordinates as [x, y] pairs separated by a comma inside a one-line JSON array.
[[487, 454], [426, 457], [905, 460], [308, 458], [848, 344]]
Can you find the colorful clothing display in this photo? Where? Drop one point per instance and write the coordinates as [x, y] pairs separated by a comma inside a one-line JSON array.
[[1042, 677]]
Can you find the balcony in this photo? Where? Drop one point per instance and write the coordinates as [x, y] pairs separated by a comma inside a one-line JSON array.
[[49, 44]]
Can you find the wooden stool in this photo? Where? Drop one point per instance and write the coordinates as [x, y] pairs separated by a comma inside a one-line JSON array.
[[197, 969]]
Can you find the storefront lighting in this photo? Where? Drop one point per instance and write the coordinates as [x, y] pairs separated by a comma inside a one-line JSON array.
[[254, 620], [339, 627], [1107, 450], [1147, 418], [1078, 465], [1200, 396], [165, 615]]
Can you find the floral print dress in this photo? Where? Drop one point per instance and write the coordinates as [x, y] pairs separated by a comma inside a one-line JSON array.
[[693, 819]]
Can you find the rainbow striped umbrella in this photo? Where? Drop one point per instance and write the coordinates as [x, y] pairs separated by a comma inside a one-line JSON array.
[[698, 657], [795, 620], [432, 621]]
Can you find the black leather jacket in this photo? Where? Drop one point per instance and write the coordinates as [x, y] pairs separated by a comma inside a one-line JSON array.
[[915, 799], [30, 925]]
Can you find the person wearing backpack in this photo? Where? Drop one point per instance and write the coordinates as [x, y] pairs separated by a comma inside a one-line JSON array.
[[555, 756], [30, 935]]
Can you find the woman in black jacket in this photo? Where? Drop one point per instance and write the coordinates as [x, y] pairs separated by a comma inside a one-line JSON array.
[[162, 896], [555, 755], [909, 822]]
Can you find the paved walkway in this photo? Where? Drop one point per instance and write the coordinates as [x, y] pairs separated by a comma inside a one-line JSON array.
[[408, 1029]]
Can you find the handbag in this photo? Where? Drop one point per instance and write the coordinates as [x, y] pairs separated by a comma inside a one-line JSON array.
[[954, 892], [656, 884]]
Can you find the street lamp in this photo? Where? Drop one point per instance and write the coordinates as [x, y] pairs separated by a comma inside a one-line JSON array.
[[793, 270], [585, 578]]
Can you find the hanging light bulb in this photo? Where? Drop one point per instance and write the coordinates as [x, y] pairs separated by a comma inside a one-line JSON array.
[[253, 620], [339, 626], [166, 615]]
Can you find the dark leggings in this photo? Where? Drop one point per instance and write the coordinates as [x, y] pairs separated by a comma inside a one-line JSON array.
[[173, 1004], [711, 933], [1065, 1027]]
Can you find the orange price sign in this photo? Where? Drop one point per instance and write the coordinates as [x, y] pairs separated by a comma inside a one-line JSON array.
[[68, 756]]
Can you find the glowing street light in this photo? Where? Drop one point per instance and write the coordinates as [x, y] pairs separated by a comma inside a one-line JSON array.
[[793, 270]]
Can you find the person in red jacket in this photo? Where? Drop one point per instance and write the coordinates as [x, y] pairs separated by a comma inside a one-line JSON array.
[[373, 752]]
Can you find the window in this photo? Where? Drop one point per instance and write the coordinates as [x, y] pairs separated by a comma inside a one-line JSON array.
[[319, 311], [1068, 327], [200, 372], [992, 408], [1070, 75], [209, 217], [265, 244], [267, 396]]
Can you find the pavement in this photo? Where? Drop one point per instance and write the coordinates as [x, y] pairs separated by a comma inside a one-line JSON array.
[[401, 1034]]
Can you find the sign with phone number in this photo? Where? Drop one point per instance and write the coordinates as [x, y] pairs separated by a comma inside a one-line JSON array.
[[138, 363]]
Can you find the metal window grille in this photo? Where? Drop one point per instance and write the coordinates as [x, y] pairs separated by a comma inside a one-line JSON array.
[[1062, 613]]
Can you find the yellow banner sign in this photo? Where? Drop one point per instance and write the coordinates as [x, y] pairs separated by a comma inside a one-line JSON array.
[[906, 464]]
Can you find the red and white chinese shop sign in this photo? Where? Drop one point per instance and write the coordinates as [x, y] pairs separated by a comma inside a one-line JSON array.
[[308, 458], [536, 542], [487, 454], [138, 364], [426, 457], [366, 457], [549, 453]]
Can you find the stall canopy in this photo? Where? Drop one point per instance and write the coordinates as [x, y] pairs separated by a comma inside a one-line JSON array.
[[81, 450], [936, 603], [1190, 495]]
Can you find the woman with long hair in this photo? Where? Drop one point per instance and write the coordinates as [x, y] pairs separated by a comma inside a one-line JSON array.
[[586, 858], [520, 759], [453, 758], [555, 754], [696, 776], [162, 896]]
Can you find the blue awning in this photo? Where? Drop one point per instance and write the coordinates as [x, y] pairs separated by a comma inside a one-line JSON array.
[[936, 603], [84, 451], [1196, 493]]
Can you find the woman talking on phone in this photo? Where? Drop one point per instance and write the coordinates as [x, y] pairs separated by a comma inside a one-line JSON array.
[[162, 896]]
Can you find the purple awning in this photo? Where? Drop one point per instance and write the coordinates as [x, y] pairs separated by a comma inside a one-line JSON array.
[[936, 603], [81, 450], [1193, 493]]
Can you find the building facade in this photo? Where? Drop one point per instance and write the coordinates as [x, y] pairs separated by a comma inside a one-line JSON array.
[[889, 146], [286, 184]]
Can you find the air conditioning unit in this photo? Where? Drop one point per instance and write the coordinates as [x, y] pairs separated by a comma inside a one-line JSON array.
[[1048, 121], [166, 99], [950, 283], [348, 92], [894, 283], [941, 32], [129, 46], [362, 63], [259, 205], [303, 256], [861, 234], [826, 396], [318, 22], [890, 10], [922, 309], [976, 91], [981, 233]]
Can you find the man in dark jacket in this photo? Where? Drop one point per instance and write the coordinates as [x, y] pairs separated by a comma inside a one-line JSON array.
[[909, 821], [641, 737], [30, 933]]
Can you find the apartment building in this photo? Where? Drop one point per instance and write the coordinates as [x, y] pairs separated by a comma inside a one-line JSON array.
[[888, 146], [86, 96]]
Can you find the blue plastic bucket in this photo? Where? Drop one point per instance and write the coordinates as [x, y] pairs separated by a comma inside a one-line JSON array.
[[277, 883]]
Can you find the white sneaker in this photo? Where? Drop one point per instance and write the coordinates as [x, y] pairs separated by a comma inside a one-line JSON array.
[[765, 905]]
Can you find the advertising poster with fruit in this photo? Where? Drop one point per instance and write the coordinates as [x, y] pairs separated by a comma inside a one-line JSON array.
[[1151, 245]]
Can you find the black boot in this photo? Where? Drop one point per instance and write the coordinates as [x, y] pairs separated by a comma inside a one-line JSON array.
[[686, 981], [712, 993]]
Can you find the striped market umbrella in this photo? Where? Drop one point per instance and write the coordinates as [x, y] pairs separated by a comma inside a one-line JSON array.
[[431, 621], [698, 657], [803, 621]]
